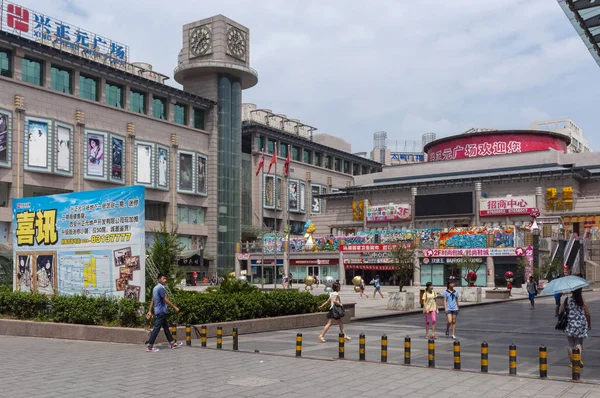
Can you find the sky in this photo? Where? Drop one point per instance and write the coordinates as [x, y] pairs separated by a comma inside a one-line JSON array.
[[351, 68]]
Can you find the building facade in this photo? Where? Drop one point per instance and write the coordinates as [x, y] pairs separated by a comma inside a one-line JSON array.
[[566, 127], [80, 117]]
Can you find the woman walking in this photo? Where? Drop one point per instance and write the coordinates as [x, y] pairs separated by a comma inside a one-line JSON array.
[[578, 324], [429, 309], [377, 285], [362, 288], [336, 311], [451, 307]]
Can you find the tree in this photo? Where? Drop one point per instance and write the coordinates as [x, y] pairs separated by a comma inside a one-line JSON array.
[[470, 265], [164, 254], [403, 257], [549, 269]]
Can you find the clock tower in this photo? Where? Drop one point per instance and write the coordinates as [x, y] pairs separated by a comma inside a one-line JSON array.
[[215, 63]]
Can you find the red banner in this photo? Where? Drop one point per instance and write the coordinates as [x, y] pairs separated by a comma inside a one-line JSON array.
[[366, 248]]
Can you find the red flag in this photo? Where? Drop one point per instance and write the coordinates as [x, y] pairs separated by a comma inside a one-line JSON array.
[[273, 160], [261, 164], [286, 166]]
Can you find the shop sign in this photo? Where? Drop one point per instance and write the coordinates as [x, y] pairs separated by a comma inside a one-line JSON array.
[[369, 260], [389, 213], [311, 261], [243, 256], [489, 252], [452, 260], [514, 205], [371, 267], [266, 261], [366, 248]]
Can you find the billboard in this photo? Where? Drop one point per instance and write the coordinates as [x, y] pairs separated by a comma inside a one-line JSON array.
[[389, 213], [88, 243], [513, 205]]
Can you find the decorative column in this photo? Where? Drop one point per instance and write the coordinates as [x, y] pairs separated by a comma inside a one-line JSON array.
[[342, 269], [477, 203], [413, 195], [416, 270], [490, 272], [539, 199], [237, 265]]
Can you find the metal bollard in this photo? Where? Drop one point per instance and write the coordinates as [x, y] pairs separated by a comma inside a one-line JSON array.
[[543, 362], [203, 336], [219, 337], [431, 353], [361, 346], [341, 345], [234, 335], [456, 355], [384, 348], [512, 360], [407, 350], [174, 332], [299, 345], [576, 363], [484, 357], [188, 334]]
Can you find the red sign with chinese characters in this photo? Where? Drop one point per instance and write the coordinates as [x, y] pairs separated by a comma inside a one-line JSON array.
[[477, 145], [514, 205], [365, 248]]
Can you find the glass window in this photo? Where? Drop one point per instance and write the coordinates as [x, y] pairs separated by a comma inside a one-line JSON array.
[[296, 153], [159, 108], [137, 101], [114, 95], [5, 63], [156, 211], [355, 169], [318, 158], [307, 156], [60, 79], [337, 164], [260, 142], [190, 215], [327, 162], [180, 114], [31, 71], [283, 150], [271, 145], [365, 170], [199, 118], [346, 167], [88, 87]]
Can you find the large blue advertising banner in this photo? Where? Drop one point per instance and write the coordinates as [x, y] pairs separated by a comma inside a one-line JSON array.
[[88, 243]]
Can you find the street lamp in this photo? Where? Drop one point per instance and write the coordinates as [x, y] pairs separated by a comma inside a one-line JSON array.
[[535, 230]]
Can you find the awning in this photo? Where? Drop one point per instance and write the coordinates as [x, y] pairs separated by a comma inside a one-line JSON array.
[[371, 267], [190, 253]]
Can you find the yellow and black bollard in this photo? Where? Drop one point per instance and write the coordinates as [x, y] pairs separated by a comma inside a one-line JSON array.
[[407, 350], [341, 349], [188, 334], [576, 364], [174, 332], [299, 345], [234, 335], [219, 337], [361, 347], [512, 360], [456, 355], [384, 348], [484, 357], [431, 353], [543, 362], [203, 336]]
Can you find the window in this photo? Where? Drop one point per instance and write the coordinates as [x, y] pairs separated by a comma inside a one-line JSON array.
[[260, 142], [60, 79], [337, 164], [283, 150], [180, 114], [88, 87], [190, 215], [365, 170], [307, 156], [296, 153], [355, 169], [199, 118], [156, 211], [328, 162], [346, 167], [159, 108], [318, 158], [31, 71], [271, 145], [5, 63], [137, 102], [114, 95]]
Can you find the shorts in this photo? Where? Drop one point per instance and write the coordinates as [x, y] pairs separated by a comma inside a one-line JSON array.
[[532, 296], [453, 312], [557, 301], [377, 287], [575, 341]]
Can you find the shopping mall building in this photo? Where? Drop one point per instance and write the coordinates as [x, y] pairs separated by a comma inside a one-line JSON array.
[[472, 198]]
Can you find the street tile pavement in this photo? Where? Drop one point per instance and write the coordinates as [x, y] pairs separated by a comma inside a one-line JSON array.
[[33, 367]]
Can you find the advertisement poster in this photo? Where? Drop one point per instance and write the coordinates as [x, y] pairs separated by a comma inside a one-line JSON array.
[[63, 149], [186, 172], [293, 195], [38, 144], [144, 164], [88, 243], [315, 203], [95, 155], [389, 213], [116, 159], [202, 188], [163, 156], [3, 138]]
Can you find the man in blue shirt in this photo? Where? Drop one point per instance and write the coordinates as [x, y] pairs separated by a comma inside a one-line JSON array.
[[160, 302], [451, 306]]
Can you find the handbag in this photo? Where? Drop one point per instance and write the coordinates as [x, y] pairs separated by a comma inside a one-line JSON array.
[[563, 318], [338, 312]]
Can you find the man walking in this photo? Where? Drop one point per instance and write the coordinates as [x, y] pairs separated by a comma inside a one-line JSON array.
[[532, 290], [160, 302]]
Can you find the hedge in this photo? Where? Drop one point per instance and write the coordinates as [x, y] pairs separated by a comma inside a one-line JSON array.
[[196, 308]]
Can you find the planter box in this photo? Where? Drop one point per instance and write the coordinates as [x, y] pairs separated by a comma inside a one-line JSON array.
[[497, 294], [470, 294], [402, 301]]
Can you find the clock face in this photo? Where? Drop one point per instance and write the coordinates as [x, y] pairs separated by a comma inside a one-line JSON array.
[[236, 42], [200, 40]]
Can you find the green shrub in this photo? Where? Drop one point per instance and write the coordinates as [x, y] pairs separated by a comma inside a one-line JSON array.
[[22, 305]]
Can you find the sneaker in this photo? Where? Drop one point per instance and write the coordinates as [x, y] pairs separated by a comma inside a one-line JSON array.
[[151, 349], [176, 345], [453, 337]]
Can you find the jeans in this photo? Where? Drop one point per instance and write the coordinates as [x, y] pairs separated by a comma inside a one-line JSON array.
[[160, 322]]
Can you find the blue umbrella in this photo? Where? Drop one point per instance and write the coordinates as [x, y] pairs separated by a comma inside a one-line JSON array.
[[565, 284]]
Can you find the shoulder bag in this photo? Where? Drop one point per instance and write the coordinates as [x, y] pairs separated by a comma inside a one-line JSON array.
[[563, 318]]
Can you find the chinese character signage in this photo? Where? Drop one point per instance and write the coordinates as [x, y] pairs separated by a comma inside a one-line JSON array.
[[52, 32], [389, 213], [472, 146], [491, 252], [514, 205], [88, 243], [366, 248]]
